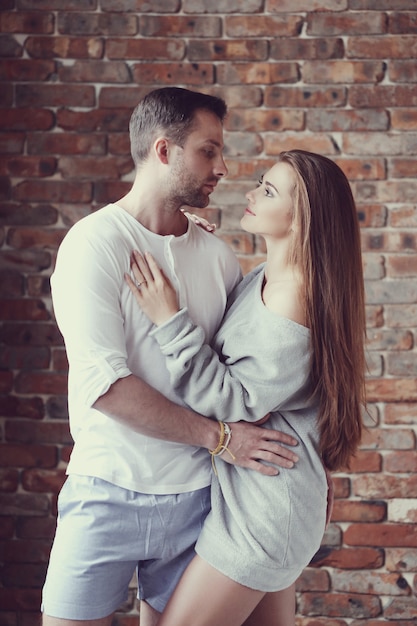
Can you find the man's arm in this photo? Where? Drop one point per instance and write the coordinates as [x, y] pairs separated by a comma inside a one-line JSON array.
[[160, 418]]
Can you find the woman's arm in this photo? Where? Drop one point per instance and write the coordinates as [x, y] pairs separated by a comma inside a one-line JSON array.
[[245, 389]]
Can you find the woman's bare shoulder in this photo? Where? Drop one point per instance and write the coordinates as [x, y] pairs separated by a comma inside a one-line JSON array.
[[284, 299]]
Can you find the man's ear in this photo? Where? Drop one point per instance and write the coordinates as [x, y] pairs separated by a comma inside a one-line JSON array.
[[161, 147]]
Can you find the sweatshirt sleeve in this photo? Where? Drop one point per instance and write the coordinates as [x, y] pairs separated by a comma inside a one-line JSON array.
[[269, 375]]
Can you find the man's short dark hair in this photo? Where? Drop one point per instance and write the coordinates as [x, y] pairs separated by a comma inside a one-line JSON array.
[[171, 110]]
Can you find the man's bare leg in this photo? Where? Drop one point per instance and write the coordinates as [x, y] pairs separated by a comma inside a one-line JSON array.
[[148, 615]]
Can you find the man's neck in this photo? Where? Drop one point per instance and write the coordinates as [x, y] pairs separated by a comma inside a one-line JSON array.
[[154, 214]]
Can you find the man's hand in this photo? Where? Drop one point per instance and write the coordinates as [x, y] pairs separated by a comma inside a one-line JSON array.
[[251, 445]]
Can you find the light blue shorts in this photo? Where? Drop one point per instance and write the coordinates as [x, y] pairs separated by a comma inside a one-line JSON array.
[[105, 533]]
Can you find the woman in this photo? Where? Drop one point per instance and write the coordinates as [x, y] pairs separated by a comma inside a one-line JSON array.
[[290, 344]]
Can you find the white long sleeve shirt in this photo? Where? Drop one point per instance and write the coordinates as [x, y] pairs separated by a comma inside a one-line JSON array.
[[107, 337]]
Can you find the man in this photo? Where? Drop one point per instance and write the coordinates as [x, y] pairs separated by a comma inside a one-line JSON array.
[[138, 486]]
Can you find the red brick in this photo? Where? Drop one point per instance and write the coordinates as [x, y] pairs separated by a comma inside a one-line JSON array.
[[26, 70], [12, 283], [153, 49], [399, 413], [9, 47], [41, 527], [24, 358], [383, 535], [11, 143], [263, 25], [401, 559], [328, 72], [287, 48], [15, 406], [361, 96], [179, 26], [403, 607], [347, 120], [346, 23], [59, 361], [229, 49], [27, 22], [366, 461], [122, 97], [24, 504], [275, 143], [6, 381], [257, 73], [402, 71], [59, 5], [25, 214], [373, 582], [26, 119], [95, 168], [31, 334], [340, 604], [348, 558], [24, 551], [390, 390], [119, 144], [110, 191], [358, 511], [83, 71], [65, 47], [24, 599], [404, 119], [401, 23], [66, 143], [36, 382], [6, 528], [191, 74], [42, 480], [97, 24], [381, 486], [27, 456], [388, 439], [401, 462], [402, 168], [313, 580], [27, 166], [402, 47], [55, 95], [53, 191], [312, 621], [9, 483], [305, 97], [27, 309], [403, 216], [222, 6], [45, 432]]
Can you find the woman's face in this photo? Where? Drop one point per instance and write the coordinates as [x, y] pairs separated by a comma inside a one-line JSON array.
[[270, 205]]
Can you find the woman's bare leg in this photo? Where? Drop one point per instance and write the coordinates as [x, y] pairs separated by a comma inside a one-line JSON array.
[[205, 597], [275, 609]]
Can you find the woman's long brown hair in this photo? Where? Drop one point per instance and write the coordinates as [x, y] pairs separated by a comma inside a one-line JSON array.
[[328, 252]]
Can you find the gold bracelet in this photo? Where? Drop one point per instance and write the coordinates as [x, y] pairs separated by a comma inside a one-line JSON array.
[[223, 445], [222, 437]]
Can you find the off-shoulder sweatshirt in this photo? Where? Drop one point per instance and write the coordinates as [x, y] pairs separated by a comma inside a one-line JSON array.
[[262, 530]]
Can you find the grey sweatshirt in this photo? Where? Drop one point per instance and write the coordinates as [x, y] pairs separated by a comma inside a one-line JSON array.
[[262, 530]]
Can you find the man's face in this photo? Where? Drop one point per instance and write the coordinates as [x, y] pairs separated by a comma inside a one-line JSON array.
[[199, 164]]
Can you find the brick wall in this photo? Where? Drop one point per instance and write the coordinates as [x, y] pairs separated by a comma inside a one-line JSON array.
[[334, 76]]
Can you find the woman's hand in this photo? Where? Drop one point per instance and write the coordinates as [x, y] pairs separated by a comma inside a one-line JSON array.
[[200, 221], [153, 291]]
